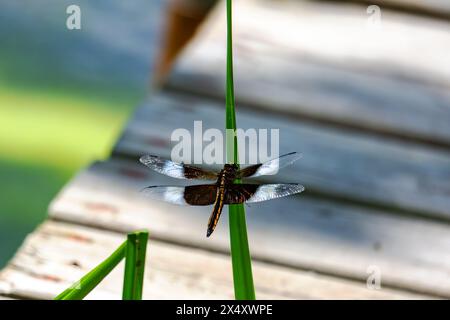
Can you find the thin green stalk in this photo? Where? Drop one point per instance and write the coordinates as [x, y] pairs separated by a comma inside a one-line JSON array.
[[240, 253], [80, 289], [134, 266]]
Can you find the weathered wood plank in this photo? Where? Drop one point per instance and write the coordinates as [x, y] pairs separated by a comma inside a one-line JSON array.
[[321, 61], [337, 163], [439, 8], [302, 232], [57, 254]]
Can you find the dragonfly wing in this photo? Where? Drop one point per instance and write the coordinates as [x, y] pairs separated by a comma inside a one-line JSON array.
[[198, 195], [240, 193], [270, 167], [176, 170]]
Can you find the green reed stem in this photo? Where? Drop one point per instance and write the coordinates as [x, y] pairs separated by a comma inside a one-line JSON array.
[[133, 250], [80, 289], [133, 280], [240, 253]]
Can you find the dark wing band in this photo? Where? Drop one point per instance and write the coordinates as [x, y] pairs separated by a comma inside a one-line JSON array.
[[176, 170], [240, 193], [198, 195], [270, 167]]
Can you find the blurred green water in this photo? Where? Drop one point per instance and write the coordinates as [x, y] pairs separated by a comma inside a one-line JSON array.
[[64, 97], [26, 190], [46, 138]]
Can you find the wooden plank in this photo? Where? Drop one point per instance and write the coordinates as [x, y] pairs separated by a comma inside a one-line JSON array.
[[300, 232], [60, 253], [435, 8], [320, 61], [336, 163]]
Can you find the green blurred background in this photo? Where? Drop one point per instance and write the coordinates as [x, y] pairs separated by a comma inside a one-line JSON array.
[[64, 96]]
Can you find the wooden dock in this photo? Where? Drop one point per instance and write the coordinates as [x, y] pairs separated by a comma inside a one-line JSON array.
[[369, 108]]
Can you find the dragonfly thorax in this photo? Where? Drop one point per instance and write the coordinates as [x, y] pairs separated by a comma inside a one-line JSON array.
[[229, 173]]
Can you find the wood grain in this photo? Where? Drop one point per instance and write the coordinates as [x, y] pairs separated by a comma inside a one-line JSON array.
[[335, 163], [58, 254], [321, 61], [302, 232]]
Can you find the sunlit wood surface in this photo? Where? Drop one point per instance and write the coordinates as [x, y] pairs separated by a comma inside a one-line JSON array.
[[369, 108], [438, 8], [327, 62], [58, 254]]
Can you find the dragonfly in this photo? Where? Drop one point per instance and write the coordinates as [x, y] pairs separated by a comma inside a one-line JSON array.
[[225, 190]]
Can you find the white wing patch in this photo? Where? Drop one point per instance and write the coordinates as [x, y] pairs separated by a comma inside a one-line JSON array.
[[173, 195], [175, 169], [167, 167], [273, 191], [271, 167]]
